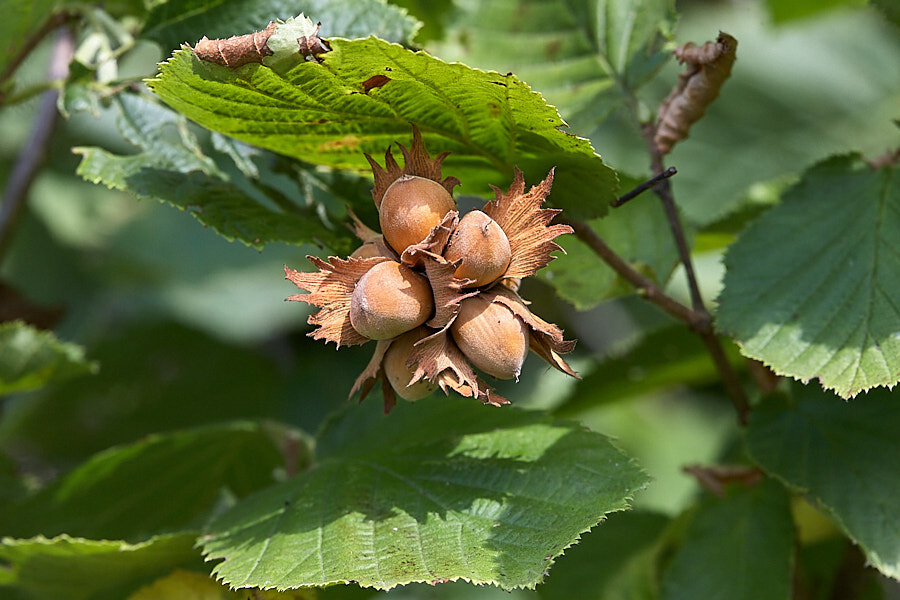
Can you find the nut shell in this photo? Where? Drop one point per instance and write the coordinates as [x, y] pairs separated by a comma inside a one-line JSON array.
[[388, 300], [399, 374], [490, 336], [483, 247], [411, 207]]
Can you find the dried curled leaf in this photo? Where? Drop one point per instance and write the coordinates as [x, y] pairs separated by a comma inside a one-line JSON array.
[[546, 339], [708, 66], [526, 225], [330, 288], [416, 161], [237, 50], [372, 373], [296, 35]]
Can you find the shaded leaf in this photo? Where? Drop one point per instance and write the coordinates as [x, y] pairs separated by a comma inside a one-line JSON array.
[[318, 113], [155, 377], [440, 489], [638, 231], [738, 547], [781, 11], [619, 556], [188, 585], [840, 455], [67, 568], [172, 168], [811, 287], [31, 358], [580, 54], [669, 357], [175, 22], [23, 18], [164, 482]]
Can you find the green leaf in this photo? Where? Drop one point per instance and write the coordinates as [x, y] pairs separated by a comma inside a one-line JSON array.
[[319, 113], [738, 547], [581, 54], [811, 287], [783, 10], [188, 585], [638, 232], [67, 568], [841, 456], [441, 489], [173, 169], [31, 358], [670, 357], [155, 377], [164, 482], [620, 557], [175, 22]]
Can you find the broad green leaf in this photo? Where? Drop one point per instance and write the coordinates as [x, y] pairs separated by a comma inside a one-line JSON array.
[[21, 19], [669, 357], [615, 561], [811, 287], [735, 548], [67, 568], [173, 169], [189, 585], [175, 22], [787, 10], [441, 489], [164, 482], [841, 455], [583, 56], [319, 113], [155, 377], [638, 232], [31, 358]]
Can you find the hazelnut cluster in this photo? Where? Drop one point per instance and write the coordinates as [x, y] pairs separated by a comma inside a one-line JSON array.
[[438, 292]]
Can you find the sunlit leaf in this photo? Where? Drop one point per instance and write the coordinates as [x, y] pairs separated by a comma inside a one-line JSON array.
[[323, 113], [840, 454], [441, 489], [811, 287]]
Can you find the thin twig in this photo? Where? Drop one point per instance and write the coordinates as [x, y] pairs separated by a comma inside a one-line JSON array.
[[55, 21], [34, 153], [643, 187], [703, 323]]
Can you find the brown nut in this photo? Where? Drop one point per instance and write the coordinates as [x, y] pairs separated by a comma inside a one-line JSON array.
[[483, 247], [388, 300], [399, 374], [490, 336], [411, 207]]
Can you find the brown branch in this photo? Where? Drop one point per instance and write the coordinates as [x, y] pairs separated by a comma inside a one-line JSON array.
[[34, 153], [637, 191], [55, 21]]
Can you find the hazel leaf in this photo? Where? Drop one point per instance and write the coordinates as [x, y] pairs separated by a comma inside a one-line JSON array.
[[324, 113], [31, 358], [443, 489], [811, 287]]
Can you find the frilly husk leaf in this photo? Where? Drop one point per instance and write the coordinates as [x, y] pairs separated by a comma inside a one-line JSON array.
[[372, 373], [416, 161], [447, 289], [437, 359], [546, 339], [434, 243], [526, 225], [330, 288]]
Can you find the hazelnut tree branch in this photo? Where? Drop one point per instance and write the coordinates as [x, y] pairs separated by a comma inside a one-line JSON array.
[[53, 22], [34, 153]]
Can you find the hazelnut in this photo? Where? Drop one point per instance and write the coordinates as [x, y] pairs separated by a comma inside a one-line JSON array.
[[411, 207], [388, 300], [491, 336], [372, 249], [483, 247], [399, 374]]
